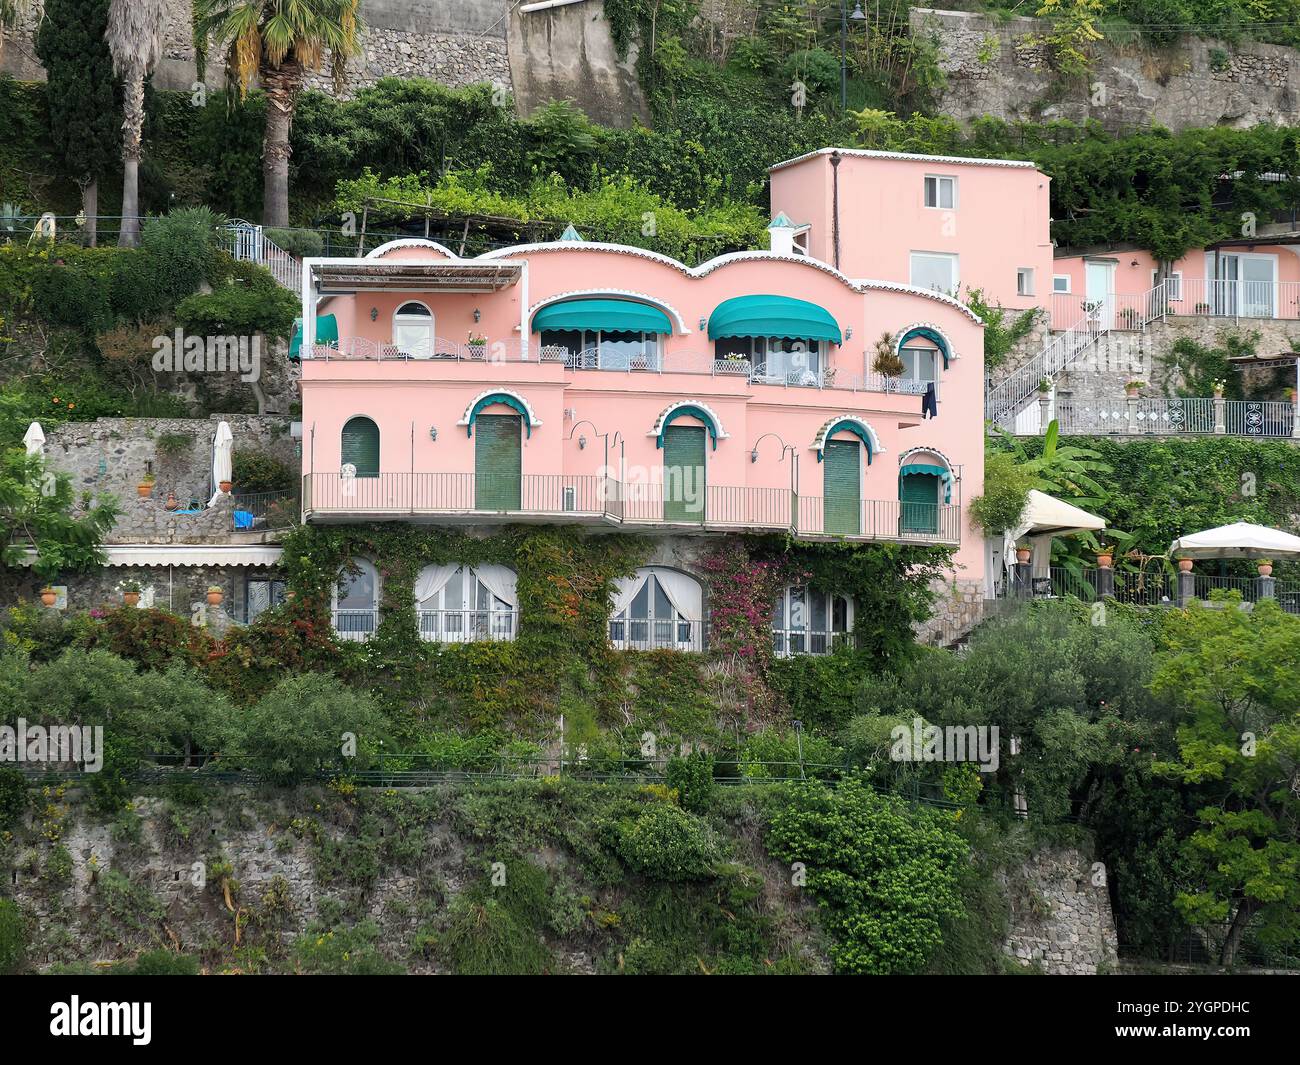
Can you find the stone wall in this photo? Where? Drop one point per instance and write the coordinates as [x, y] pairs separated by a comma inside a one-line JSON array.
[[1061, 920], [109, 456], [958, 608], [1002, 69]]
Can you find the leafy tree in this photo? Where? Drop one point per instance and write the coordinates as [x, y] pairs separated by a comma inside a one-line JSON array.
[[278, 41], [37, 516], [79, 93], [1232, 676], [135, 39]]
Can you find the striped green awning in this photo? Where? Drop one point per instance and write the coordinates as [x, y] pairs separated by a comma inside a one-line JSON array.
[[941, 472], [611, 316], [327, 332], [772, 316]]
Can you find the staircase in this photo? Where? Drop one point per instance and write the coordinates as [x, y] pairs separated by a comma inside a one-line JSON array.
[[247, 242], [1004, 401]]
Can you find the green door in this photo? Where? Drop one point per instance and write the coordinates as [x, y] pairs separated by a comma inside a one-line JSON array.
[[684, 473], [497, 462], [842, 460], [918, 495], [360, 446]]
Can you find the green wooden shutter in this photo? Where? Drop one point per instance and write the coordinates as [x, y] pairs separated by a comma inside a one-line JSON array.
[[498, 461], [842, 464], [361, 446], [918, 494], [684, 489]]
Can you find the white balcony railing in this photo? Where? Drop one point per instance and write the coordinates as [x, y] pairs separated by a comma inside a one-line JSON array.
[[1181, 297]]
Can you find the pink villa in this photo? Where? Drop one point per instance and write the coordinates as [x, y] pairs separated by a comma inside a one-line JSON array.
[[609, 386]]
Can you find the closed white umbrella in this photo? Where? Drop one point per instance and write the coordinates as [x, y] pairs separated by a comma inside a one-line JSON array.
[[1238, 540], [34, 439], [223, 445]]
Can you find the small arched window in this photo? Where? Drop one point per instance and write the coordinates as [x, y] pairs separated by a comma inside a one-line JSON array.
[[356, 601], [458, 604], [658, 608], [359, 447], [809, 621], [413, 331]]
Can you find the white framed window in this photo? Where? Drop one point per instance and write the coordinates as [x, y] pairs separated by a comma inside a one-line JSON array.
[[808, 621], [941, 191], [464, 604], [936, 271], [920, 364], [1025, 281], [656, 609], [356, 601], [1061, 283], [413, 330], [1173, 284]]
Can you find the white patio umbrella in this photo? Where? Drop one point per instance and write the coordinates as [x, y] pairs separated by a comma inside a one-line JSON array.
[[34, 439], [1043, 518], [1238, 540], [222, 449]]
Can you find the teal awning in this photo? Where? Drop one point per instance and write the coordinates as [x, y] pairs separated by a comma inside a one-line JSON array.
[[621, 316], [327, 332], [926, 333], [772, 316], [689, 410], [513, 402], [933, 471]]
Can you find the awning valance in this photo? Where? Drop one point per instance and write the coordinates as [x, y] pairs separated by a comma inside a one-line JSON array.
[[850, 423], [186, 555], [327, 332], [488, 399], [688, 410], [926, 333], [620, 316], [918, 468], [772, 316]]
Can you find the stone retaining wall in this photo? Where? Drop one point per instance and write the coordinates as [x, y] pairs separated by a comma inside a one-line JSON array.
[[1061, 919]]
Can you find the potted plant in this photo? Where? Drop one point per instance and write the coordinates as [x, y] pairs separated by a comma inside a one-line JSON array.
[[224, 486], [1044, 385], [1092, 308], [215, 595], [1105, 556], [172, 502], [1023, 551], [1132, 388], [1265, 566], [1291, 396], [1218, 389], [48, 596], [477, 344], [888, 363], [130, 593], [1184, 565], [145, 488]]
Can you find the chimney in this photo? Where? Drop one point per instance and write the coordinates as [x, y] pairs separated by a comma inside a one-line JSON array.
[[780, 235]]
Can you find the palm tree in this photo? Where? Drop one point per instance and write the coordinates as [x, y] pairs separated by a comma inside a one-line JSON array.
[[135, 38], [277, 41]]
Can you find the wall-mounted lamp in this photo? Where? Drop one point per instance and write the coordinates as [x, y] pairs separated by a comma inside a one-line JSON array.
[[848, 333], [374, 314], [753, 455], [433, 432], [703, 322], [1133, 263], [582, 443], [477, 314]]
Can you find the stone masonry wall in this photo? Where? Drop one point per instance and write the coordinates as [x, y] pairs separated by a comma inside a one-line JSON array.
[[1003, 69], [1061, 919]]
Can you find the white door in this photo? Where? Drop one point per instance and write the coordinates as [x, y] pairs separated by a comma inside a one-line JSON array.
[[1099, 289], [1258, 274]]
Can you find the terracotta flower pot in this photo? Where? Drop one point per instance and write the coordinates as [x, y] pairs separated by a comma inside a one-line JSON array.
[[144, 491], [224, 486], [1104, 559], [172, 502], [1022, 554], [1185, 565], [215, 597], [1265, 570], [49, 596], [130, 598]]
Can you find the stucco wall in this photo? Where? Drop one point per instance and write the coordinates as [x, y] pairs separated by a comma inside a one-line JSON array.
[[1001, 69]]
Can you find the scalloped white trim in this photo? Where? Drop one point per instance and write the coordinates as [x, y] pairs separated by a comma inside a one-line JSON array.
[[819, 441], [411, 242], [929, 451], [952, 351], [658, 426], [533, 420]]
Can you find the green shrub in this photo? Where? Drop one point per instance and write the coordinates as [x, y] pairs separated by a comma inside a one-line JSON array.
[[13, 939], [667, 843], [486, 939], [13, 796], [772, 752], [256, 471], [160, 963], [692, 778], [342, 951], [297, 242]]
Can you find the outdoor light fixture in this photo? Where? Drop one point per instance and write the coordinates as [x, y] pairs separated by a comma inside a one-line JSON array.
[[477, 314], [753, 455], [374, 313], [848, 333], [582, 442], [433, 432], [703, 323]]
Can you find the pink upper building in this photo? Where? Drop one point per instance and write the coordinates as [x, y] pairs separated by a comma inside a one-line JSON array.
[[938, 222]]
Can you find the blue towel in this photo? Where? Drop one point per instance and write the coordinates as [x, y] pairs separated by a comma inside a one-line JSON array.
[[243, 519]]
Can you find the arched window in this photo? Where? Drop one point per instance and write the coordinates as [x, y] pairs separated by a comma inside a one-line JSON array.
[[413, 331], [359, 447], [808, 621], [458, 604], [658, 608], [356, 601]]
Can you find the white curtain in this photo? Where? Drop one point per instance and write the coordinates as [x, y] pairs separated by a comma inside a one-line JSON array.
[[501, 582], [683, 592], [431, 581], [1041, 558], [625, 589]]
